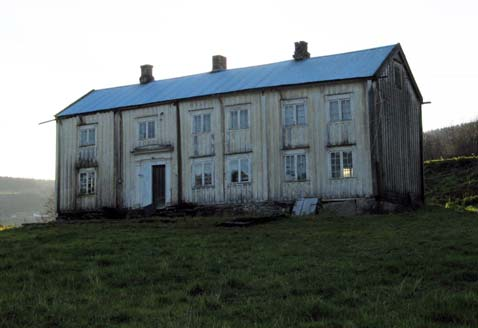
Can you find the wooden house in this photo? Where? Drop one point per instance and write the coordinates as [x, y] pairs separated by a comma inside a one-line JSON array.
[[344, 126]]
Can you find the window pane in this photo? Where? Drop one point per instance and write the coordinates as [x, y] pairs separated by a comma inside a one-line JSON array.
[[197, 124], [346, 112], [197, 173], [289, 115], [290, 168], [151, 130], [91, 136], [347, 164], [301, 167], [245, 171], [83, 182], [91, 182], [234, 170], [207, 174], [233, 120], [83, 137], [142, 130], [335, 164], [334, 111], [301, 114], [244, 118], [206, 123]]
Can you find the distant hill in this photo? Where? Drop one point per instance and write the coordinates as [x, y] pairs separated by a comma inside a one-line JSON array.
[[21, 198]]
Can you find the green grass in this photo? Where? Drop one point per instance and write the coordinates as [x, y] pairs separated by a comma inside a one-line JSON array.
[[453, 183], [416, 269]]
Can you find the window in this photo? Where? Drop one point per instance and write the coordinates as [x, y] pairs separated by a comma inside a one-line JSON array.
[[295, 167], [201, 123], [87, 136], [239, 119], [202, 174], [398, 77], [239, 170], [295, 114], [340, 110], [147, 130], [87, 181], [341, 164]]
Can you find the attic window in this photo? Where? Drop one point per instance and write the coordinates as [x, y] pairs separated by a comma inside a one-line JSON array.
[[398, 76]]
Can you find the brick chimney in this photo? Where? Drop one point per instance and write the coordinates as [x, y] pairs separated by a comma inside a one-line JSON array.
[[219, 63], [146, 74], [301, 51]]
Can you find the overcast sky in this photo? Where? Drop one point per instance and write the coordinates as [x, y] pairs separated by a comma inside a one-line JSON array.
[[52, 52]]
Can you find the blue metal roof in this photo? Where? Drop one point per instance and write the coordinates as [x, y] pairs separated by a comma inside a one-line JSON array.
[[358, 64]]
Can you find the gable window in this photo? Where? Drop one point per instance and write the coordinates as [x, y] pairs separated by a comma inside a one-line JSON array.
[[87, 181], [341, 164], [87, 136], [295, 167], [340, 110], [295, 113], [398, 76], [147, 129], [201, 123], [239, 119], [239, 170], [202, 174]]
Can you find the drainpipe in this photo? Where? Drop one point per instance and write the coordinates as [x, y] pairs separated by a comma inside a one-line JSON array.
[[179, 153]]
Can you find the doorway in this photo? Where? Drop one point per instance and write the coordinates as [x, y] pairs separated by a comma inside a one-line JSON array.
[[159, 186]]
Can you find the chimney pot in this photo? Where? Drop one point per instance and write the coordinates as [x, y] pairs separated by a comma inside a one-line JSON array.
[[219, 63], [146, 74], [301, 51]]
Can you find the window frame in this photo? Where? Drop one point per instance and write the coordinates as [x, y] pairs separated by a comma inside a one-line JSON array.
[[295, 157], [240, 161], [342, 163], [202, 129], [340, 98], [87, 128], [294, 103], [146, 121], [237, 110], [203, 184], [398, 76], [90, 187]]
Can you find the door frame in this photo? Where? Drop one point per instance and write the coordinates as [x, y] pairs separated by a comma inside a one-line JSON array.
[[144, 181]]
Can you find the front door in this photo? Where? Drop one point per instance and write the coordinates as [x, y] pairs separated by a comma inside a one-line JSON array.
[[159, 186]]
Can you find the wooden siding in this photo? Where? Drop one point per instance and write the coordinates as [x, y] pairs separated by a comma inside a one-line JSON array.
[[265, 143], [397, 130], [70, 161], [138, 157]]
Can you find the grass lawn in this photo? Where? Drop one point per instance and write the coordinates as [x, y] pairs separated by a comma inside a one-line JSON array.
[[417, 269]]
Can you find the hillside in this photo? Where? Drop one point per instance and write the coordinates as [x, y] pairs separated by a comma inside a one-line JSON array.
[[452, 183], [20, 198]]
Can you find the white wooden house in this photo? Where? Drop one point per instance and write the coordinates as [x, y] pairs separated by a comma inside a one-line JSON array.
[[334, 127]]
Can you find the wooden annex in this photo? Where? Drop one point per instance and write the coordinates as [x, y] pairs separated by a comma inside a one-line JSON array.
[[345, 126]]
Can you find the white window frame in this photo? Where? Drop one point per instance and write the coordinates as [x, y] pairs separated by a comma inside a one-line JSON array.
[[342, 169], [237, 111], [202, 165], [339, 99], [202, 128], [240, 162], [294, 104], [147, 121], [88, 130], [90, 183], [295, 156]]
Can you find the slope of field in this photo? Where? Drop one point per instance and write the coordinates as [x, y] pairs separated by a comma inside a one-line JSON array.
[[416, 269], [452, 182], [20, 198]]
